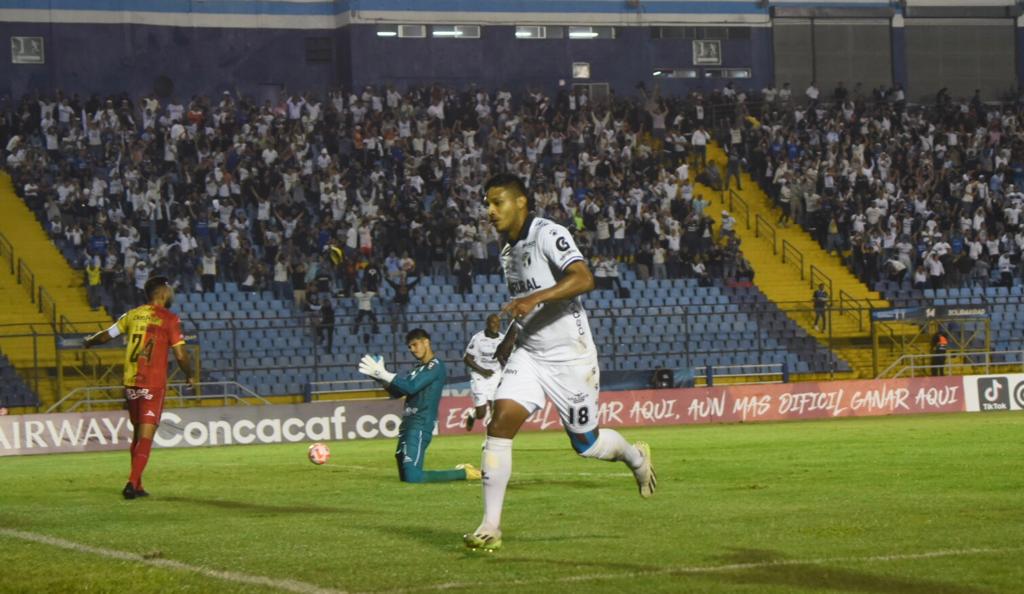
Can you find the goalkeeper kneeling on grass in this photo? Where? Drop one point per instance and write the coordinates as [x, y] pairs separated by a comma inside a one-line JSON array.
[[421, 386]]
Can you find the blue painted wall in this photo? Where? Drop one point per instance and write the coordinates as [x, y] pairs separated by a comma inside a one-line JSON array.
[[82, 56], [111, 58], [499, 59]]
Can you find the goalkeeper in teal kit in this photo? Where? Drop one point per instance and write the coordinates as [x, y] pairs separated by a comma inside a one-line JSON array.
[[421, 387]]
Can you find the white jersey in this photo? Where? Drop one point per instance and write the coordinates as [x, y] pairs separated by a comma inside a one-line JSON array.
[[557, 331], [482, 348]]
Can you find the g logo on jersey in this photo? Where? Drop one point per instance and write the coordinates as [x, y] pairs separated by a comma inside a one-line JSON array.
[[562, 244]]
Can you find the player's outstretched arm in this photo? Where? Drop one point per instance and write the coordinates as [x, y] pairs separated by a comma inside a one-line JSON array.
[[101, 337], [577, 280], [105, 336]]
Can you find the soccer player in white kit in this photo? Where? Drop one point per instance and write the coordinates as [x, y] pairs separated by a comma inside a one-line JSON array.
[[484, 368], [547, 351]]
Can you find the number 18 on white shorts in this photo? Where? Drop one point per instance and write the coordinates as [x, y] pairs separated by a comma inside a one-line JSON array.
[[572, 388]]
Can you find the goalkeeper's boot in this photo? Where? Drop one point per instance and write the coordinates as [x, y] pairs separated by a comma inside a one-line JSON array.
[[483, 539], [472, 472], [646, 480]]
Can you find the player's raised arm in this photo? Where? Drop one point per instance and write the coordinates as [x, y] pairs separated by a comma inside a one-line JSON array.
[[408, 384], [397, 386]]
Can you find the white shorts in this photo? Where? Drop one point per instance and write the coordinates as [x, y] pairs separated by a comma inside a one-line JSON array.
[[483, 389], [571, 387]]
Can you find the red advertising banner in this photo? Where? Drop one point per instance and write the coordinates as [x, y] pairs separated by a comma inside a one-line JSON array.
[[751, 403]]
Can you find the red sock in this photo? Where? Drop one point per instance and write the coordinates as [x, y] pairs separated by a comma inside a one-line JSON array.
[[140, 456]]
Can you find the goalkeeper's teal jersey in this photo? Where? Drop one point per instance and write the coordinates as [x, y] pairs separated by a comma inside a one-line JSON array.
[[421, 386]]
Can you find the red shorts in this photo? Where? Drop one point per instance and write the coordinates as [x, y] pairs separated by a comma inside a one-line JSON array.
[[145, 405]]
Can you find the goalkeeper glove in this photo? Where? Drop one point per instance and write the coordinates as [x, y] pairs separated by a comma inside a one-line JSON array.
[[374, 367]]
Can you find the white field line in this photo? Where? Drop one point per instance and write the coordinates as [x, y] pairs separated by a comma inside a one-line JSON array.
[[693, 569], [228, 576], [300, 587]]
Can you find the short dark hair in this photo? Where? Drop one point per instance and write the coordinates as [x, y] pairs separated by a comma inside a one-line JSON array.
[[513, 181], [415, 334], [154, 283]]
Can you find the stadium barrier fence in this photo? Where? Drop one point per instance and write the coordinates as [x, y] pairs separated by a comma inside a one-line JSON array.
[[180, 395], [381, 418]]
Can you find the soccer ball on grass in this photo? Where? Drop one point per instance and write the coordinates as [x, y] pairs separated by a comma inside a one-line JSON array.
[[319, 453]]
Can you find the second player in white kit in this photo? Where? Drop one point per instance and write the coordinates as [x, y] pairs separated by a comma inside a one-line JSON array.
[[548, 351], [484, 368]]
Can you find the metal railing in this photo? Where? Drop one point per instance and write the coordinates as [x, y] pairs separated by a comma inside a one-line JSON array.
[[313, 390], [854, 307], [738, 204], [26, 278], [970, 362], [762, 228], [7, 252], [11, 337], [48, 307], [725, 372], [229, 392], [791, 255], [38, 295], [820, 278]]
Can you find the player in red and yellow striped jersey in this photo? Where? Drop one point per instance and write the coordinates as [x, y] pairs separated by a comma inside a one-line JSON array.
[[150, 332]]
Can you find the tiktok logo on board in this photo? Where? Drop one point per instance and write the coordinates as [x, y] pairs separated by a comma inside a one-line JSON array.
[[994, 393]]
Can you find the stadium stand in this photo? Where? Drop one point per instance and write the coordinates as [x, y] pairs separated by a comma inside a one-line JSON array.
[[254, 337], [892, 185], [250, 198], [14, 392]]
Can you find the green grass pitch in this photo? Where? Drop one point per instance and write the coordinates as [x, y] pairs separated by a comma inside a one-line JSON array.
[[925, 505]]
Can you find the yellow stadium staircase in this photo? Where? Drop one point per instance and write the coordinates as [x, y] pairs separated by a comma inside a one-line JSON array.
[[789, 264], [41, 295]]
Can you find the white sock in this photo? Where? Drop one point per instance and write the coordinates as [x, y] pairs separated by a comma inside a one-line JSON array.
[[611, 446], [497, 468]]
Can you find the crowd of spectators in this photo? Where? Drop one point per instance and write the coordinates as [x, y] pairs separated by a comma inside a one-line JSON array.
[[333, 195], [926, 195]]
